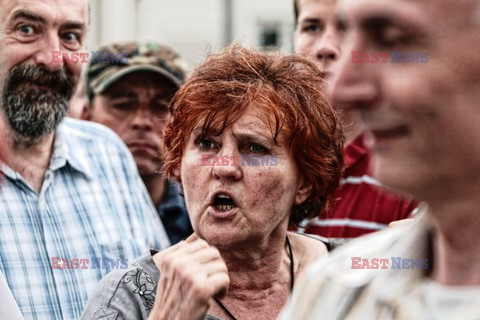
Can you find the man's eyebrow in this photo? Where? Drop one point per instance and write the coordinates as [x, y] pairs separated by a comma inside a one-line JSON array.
[[373, 23], [28, 15], [312, 20], [74, 25]]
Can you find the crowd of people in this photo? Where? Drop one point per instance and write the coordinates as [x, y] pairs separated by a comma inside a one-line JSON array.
[[260, 185]]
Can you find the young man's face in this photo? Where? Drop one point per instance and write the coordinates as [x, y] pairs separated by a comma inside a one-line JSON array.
[[137, 108], [422, 119], [315, 33]]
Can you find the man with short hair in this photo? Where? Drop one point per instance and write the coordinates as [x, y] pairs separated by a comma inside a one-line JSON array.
[[72, 205], [421, 121], [361, 205], [133, 99]]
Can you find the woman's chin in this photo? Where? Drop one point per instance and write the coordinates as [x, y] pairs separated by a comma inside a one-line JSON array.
[[222, 237]]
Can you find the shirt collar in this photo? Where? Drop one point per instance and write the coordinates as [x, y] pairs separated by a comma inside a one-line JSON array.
[[68, 150], [355, 152], [62, 154], [172, 201]]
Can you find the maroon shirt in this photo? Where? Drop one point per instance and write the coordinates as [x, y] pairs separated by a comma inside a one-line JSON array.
[[360, 205]]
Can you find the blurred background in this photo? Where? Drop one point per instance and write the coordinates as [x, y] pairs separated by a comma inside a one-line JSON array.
[[194, 27]]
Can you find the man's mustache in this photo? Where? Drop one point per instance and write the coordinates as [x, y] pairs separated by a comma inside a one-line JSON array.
[[60, 80]]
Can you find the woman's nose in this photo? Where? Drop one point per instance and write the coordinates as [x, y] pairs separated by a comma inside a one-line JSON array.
[[228, 165]]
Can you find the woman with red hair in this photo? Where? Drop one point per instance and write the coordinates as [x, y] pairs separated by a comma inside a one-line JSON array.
[[256, 147]]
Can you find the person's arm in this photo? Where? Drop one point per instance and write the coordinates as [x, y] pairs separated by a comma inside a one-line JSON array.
[[121, 295]]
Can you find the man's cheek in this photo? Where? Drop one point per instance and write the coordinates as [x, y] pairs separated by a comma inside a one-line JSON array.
[[75, 69]]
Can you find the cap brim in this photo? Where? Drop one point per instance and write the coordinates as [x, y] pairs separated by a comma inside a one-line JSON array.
[[136, 68]]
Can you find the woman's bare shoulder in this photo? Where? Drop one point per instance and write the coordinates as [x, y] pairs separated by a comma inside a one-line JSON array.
[[306, 250]]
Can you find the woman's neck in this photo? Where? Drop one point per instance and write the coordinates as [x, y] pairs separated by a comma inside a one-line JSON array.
[[258, 267], [260, 280]]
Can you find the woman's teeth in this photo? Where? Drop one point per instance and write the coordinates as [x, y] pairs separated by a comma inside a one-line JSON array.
[[224, 207]]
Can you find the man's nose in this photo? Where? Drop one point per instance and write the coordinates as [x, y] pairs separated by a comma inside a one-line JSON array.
[[45, 54], [143, 119], [352, 85], [327, 49]]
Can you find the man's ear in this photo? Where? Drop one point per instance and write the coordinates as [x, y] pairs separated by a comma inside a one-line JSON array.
[[303, 192], [86, 113]]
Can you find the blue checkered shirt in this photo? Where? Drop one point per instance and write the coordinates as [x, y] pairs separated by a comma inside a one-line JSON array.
[[92, 204]]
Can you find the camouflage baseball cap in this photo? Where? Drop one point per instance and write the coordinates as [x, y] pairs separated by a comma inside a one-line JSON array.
[[110, 63]]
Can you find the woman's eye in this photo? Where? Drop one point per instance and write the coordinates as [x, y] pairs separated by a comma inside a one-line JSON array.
[[205, 144], [256, 148]]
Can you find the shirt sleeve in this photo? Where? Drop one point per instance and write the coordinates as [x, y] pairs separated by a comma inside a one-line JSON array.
[[122, 296]]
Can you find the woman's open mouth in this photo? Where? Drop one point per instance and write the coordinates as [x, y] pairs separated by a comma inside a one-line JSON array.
[[223, 205], [222, 202]]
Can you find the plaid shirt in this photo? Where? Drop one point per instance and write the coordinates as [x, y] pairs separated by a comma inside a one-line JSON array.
[[92, 205]]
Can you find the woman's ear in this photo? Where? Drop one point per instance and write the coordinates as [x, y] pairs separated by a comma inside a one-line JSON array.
[[303, 192]]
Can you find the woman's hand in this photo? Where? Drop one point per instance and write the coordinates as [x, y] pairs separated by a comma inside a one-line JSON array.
[[191, 273]]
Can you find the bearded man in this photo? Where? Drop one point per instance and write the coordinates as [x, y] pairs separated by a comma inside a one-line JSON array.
[[70, 194]]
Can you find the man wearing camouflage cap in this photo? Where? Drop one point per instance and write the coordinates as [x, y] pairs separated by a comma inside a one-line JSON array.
[[131, 95]]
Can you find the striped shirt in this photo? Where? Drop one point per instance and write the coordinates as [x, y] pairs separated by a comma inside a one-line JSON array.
[[92, 205], [342, 287], [361, 205]]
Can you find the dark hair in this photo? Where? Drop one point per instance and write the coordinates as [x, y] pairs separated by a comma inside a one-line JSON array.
[[290, 90]]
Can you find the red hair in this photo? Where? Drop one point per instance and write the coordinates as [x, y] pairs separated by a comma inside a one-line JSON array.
[[289, 89]]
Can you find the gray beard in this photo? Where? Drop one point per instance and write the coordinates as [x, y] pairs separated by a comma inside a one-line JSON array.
[[32, 111]]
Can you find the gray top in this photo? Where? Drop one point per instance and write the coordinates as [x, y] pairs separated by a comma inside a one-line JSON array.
[[127, 294]]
